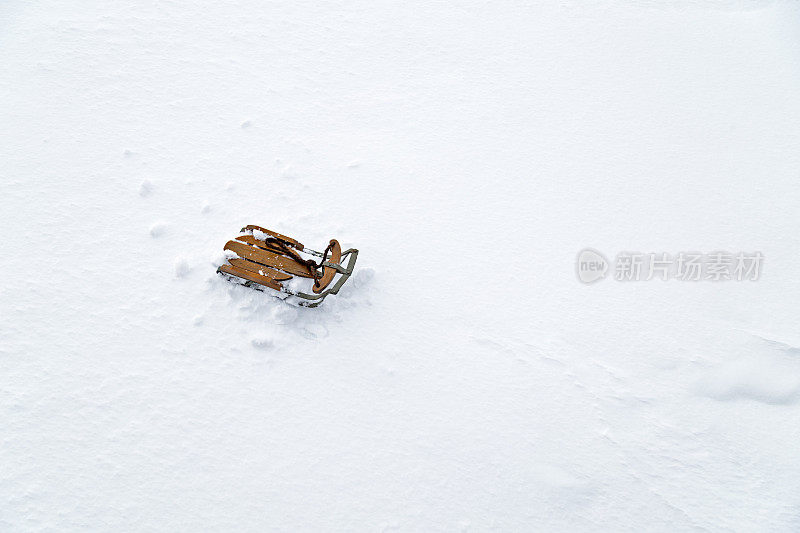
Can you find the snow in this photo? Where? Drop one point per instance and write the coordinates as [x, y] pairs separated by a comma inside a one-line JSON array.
[[464, 378], [260, 235]]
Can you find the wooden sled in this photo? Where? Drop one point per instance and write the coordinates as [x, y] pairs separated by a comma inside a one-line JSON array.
[[268, 260]]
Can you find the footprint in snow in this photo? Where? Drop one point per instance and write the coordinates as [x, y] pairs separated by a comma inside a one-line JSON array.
[[158, 229], [146, 188], [314, 331], [263, 343], [284, 313], [182, 267]]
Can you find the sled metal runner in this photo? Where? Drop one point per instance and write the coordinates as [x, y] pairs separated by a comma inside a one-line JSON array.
[[271, 261]]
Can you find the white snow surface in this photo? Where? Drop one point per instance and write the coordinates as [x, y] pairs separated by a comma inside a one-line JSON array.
[[464, 380]]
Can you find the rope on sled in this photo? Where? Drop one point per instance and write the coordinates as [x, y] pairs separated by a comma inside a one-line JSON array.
[[314, 268]]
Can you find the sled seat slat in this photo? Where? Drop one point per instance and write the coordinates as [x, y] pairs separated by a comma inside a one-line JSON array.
[[258, 268], [250, 276], [267, 258], [275, 234], [249, 239]]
